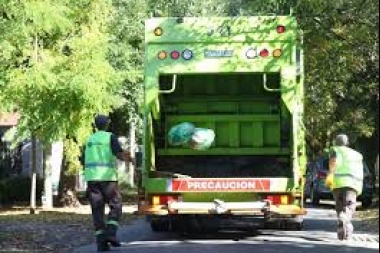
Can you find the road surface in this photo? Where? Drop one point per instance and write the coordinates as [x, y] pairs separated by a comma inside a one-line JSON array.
[[318, 236]]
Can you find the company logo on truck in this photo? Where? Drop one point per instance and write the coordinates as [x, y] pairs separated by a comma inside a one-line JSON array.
[[224, 185], [216, 53]]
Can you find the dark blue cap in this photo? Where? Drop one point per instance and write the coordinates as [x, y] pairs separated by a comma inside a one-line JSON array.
[[101, 121]]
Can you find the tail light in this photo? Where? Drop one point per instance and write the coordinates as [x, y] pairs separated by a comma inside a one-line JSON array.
[[174, 55], [264, 53], [279, 199], [162, 55], [277, 53], [321, 175], [163, 199], [281, 29]]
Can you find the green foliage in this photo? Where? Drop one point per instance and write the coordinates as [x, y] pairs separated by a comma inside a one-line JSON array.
[[341, 66], [72, 152], [63, 61], [126, 56], [57, 74]]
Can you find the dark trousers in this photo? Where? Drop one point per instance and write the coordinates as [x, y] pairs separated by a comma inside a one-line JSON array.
[[345, 206], [100, 194]]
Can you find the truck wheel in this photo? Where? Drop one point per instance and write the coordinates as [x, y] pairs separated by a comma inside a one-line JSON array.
[[315, 199], [296, 223], [366, 202], [299, 226], [159, 225]]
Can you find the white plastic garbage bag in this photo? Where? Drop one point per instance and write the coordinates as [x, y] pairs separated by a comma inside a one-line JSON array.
[[202, 139]]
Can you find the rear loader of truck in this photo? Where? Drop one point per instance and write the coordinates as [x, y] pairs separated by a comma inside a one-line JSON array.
[[242, 78]]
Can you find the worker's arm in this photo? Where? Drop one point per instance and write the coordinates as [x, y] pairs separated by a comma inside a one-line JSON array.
[[124, 156], [329, 182], [332, 162]]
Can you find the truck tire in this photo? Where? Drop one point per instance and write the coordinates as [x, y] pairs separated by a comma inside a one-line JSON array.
[[159, 225], [298, 223], [367, 202], [314, 197]]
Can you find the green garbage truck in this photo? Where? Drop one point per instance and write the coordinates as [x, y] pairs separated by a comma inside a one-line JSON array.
[[242, 78]]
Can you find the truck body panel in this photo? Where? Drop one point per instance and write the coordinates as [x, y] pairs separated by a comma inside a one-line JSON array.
[[242, 78]]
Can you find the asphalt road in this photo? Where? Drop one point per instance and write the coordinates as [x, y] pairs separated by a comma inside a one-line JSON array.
[[318, 236]]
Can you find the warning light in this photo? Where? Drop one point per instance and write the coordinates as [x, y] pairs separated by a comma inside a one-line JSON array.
[[251, 53], [155, 200], [174, 55], [281, 29], [187, 54], [264, 53], [162, 55], [158, 31], [277, 53]]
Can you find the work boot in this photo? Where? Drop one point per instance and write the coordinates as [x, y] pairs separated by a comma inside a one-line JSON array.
[[111, 230], [101, 242], [342, 226], [349, 231]]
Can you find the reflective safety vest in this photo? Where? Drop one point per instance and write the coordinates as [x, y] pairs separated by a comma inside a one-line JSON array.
[[100, 162], [349, 170]]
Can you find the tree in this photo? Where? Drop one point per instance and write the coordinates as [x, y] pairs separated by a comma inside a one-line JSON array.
[[341, 46], [55, 65]]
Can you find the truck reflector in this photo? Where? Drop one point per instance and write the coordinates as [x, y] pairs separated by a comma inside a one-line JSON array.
[[162, 55], [279, 199], [155, 200], [251, 53], [219, 185], [158, 31], [187, 54], [277, 53], [281, 29], [174, 55], [164, 199], [264, 53]]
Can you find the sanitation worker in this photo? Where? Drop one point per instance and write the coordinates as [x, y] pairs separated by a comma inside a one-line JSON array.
[[100, 169], [346, 169]]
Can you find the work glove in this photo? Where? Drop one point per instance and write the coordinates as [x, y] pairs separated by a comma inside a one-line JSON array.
[[329, 182]]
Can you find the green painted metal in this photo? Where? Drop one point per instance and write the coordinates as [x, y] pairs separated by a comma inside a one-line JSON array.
[[254, 104], [156, 185], [226, 151]]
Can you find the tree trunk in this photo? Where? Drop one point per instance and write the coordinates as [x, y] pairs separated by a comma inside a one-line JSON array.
[[33, 176], [48, 186], [67, 195], [132, 147]]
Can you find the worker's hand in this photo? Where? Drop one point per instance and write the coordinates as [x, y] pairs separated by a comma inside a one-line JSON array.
[[329, 182], [124, 156], [132, 160]]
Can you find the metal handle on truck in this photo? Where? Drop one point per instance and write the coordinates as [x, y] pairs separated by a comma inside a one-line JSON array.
[[266, 86], [172, 89]]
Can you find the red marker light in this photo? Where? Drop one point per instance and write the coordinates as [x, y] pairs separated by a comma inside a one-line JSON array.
[[281, 29], [174, 55], [264, 53]]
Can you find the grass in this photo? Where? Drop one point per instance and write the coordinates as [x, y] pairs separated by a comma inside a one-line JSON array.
[[58, 230]]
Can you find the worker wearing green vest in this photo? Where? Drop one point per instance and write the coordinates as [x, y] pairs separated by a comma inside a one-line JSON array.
[[102, 149], [346, 168]]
